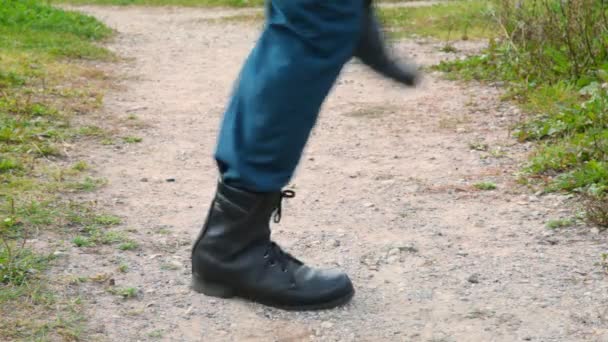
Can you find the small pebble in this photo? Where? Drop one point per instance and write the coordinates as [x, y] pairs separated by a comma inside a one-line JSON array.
[[327, 325], [409, 249], [334, 243], [394, 251], [552, 241], [393, 259]]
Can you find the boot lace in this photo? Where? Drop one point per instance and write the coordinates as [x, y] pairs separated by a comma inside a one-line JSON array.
[[274, 254], [278, 210]]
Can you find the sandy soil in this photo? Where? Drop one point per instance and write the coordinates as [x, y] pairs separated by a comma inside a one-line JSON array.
[[384, 191]]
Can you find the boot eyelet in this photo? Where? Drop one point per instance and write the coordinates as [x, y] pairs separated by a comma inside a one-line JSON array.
[[266, 255], [272, 263], [284, 270]]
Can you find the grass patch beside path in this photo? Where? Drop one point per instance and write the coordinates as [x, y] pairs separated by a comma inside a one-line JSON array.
[[553, 59], [189, 3], [44, 82], [454, 20]]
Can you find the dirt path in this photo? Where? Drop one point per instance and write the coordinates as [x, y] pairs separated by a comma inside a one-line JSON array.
[[384, 191]]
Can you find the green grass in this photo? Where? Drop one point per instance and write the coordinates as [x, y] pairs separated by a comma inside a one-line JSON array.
[[22, 270], [44, 82], [87, 184], [107, 220], [156, 334], [455, 20], [95, 232], [170, 267], [82, 241], [37, 17], [558, 74], [33, 26], [91, 131], [124, 292], [604, 262], [485, 186], [19, 264], [80, 166], [45, 316], [132, 140], [478, 145], [561, 223], [128, 246], [568, 121]]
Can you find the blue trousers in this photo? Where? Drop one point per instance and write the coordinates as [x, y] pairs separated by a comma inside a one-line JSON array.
[[280, 90]]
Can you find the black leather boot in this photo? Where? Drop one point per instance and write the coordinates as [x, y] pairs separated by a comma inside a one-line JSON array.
[[234, 256], [372, 51]]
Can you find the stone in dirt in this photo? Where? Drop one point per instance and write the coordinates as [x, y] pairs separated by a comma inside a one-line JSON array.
[[473, 278]]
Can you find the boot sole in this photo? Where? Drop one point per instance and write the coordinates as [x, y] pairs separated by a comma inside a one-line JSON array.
[[217, 290], [211, 289]]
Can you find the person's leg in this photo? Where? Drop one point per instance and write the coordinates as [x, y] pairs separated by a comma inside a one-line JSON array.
[[281, 88], [273, 109]]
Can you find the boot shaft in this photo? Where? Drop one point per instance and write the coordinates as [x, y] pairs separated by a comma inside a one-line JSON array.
[[236, 219]]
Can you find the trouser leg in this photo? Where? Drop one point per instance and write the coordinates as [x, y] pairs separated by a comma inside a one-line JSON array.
[[281, 88]]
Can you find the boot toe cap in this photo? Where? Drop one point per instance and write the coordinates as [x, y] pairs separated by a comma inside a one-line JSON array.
[[323, 286]]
